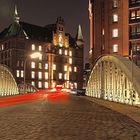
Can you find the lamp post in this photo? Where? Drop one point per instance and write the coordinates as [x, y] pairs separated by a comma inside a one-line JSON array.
[[32, 56]]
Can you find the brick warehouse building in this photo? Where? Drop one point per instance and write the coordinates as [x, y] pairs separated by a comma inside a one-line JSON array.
[[62, 56], [115, 28]]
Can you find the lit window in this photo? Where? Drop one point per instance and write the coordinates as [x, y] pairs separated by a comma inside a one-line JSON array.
[[39, 84], [61, 40], [40, 48], [133, 15], [60, 51], [46, 75], [67, 84], [65, 76], [70, 69], [22, 73], [39, 75], [66, 52], [2, 47], [32, 64], [40, 65], [46, 66], [115, 33], [70, 53], [53, 84], [17, 73], [33, 47], [60, 75], [65, 68], [75, 85], [32, 74], [115, 3], [40, 57], [54, 67], [115, 48], [103, 32], [33, 83], [71, 85], [75, 69], [138, 14], [70, 60], [46, 85], [138, 47], [115, 17]]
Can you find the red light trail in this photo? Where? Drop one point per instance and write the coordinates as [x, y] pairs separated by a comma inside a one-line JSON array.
[[53, 97]]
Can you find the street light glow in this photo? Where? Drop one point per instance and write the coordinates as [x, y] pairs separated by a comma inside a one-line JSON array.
[[36, 55]]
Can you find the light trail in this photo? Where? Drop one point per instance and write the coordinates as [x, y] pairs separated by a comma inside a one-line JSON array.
[[53, 97]]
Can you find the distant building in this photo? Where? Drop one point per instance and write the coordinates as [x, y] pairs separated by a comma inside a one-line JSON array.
[[62, 55], [86, 75], [115, 28]]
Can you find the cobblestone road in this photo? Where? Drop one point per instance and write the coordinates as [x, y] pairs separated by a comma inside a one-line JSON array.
[[79, 119]]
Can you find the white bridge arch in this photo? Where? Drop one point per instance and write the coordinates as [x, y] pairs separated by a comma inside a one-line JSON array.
[[115, 78], [8, 84]]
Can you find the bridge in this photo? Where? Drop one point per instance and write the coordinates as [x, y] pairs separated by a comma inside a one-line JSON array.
[[8, 85], [115, 78], [112, 78]]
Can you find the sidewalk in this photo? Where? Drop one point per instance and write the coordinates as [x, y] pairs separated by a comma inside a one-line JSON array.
[[130, 111]]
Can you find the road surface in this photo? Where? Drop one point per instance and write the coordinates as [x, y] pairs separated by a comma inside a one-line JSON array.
[[77, 119]]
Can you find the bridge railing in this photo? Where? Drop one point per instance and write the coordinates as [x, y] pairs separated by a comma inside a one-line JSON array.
[[115, 78], [28, 88]]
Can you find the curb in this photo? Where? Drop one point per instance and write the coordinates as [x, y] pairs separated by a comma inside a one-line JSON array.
[[131, 111]]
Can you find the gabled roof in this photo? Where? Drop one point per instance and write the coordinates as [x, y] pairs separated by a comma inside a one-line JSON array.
[[15, 29], [2, 34], [37, 32], [31, 31]]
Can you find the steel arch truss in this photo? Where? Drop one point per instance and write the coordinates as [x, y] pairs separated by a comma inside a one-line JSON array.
[[8, 84], [116, 79]]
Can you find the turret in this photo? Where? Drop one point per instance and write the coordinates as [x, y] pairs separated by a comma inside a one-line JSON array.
[[60, 24], [16, 16], [79, 37], [15, 28]]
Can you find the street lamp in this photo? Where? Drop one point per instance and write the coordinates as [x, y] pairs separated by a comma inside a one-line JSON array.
[[32, 56]]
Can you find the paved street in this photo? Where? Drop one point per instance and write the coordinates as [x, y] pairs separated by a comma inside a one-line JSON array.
[[78, 119]]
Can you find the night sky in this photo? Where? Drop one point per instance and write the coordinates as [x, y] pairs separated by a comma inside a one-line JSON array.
[[43, 12]]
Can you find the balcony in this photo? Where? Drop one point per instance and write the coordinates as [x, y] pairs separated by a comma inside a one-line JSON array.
[[134, 36], [135, 53], [134, 21], [133, 4]]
